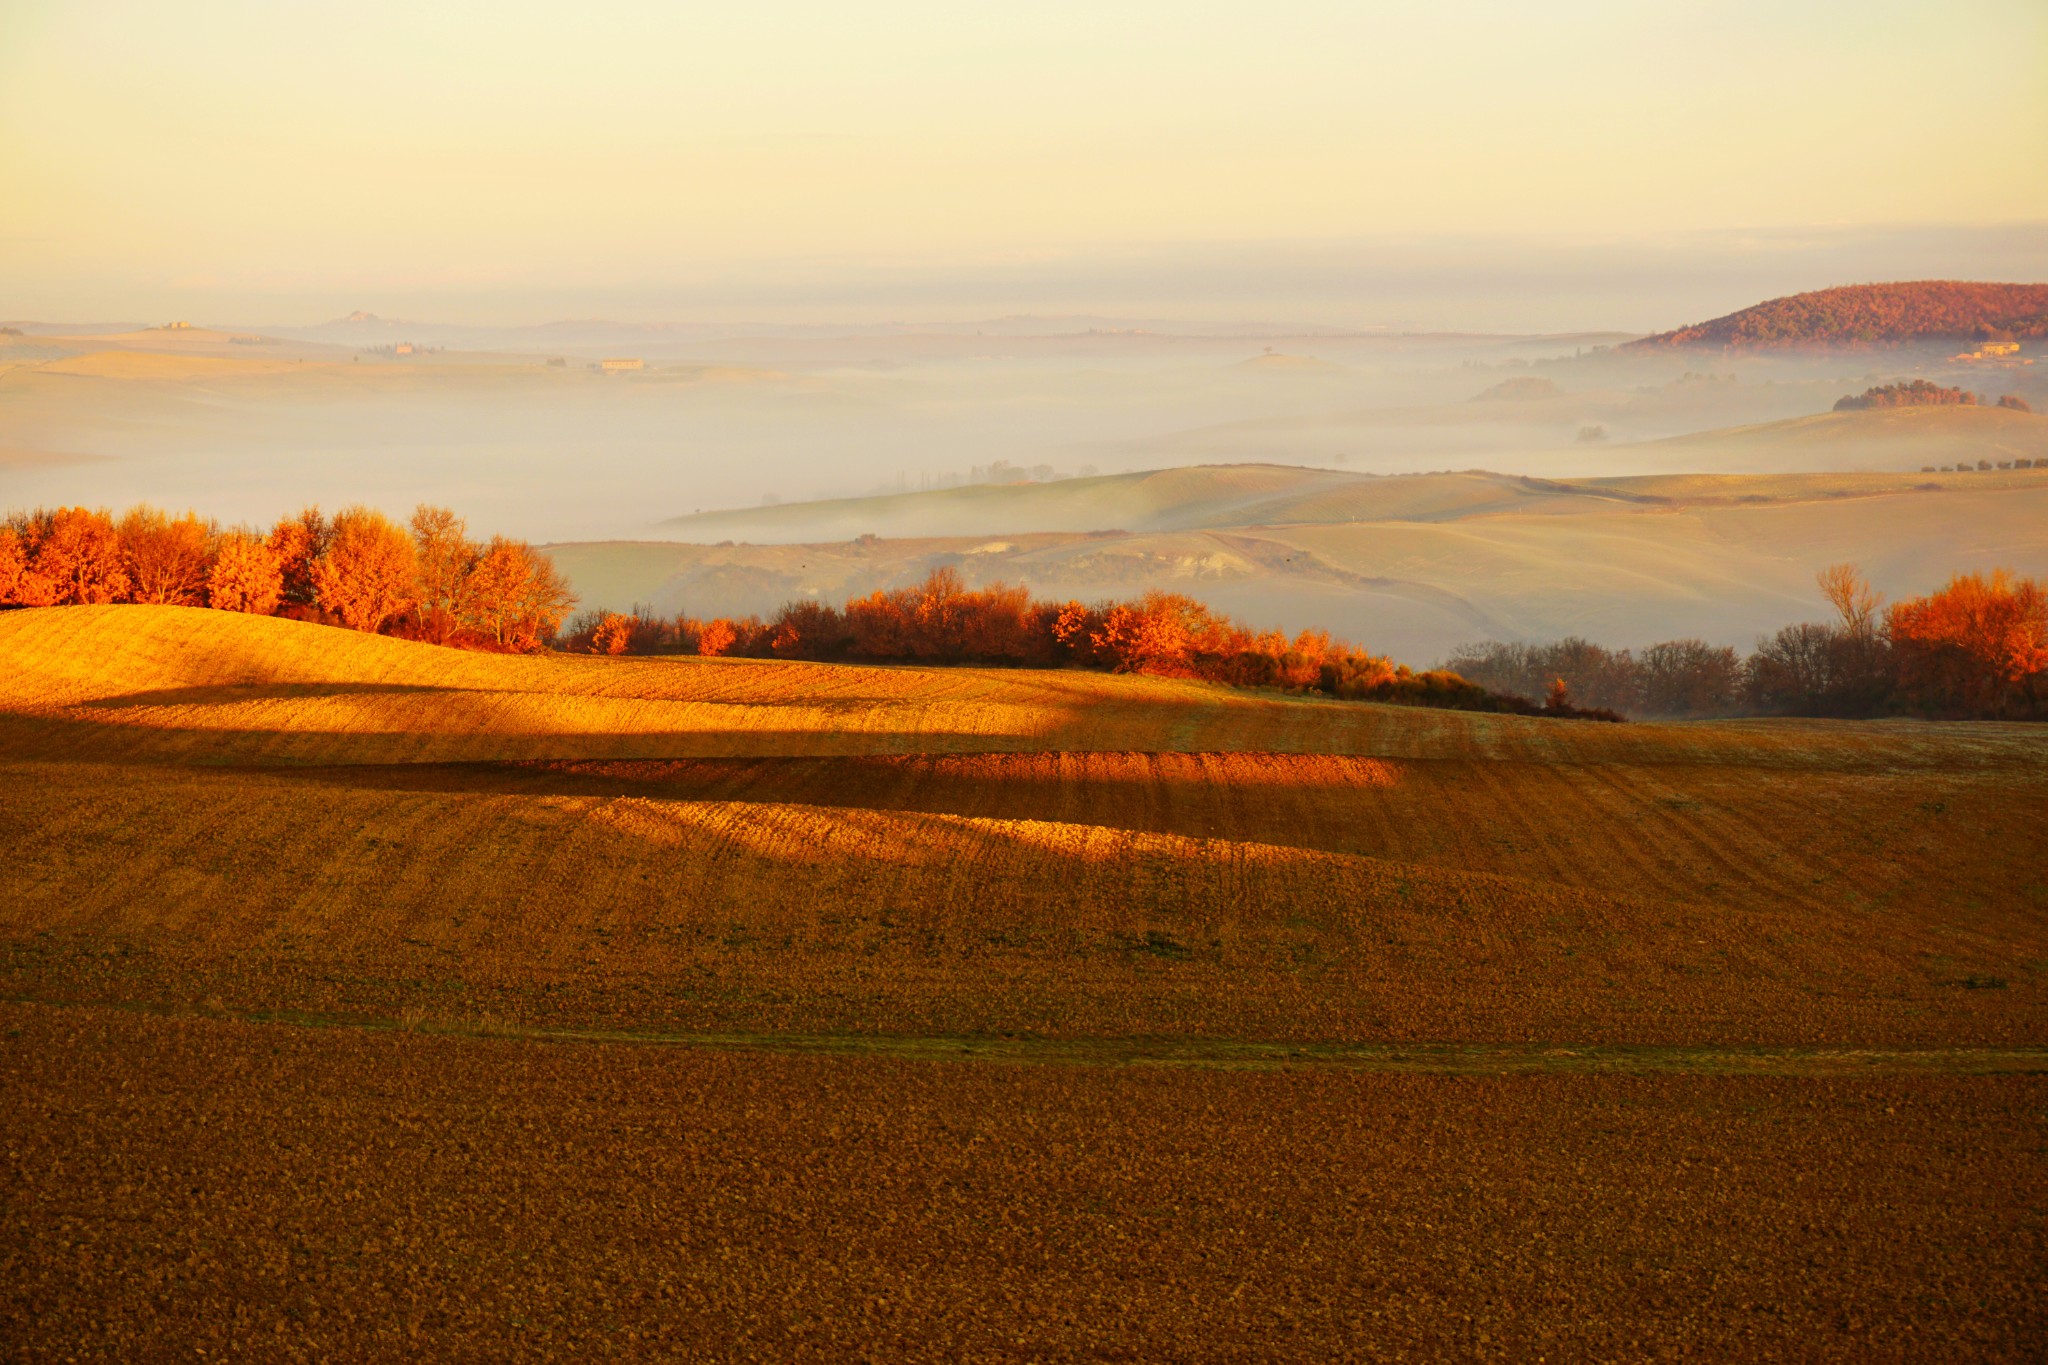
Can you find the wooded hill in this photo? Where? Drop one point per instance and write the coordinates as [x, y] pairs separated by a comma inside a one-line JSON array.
[[1869, 315]]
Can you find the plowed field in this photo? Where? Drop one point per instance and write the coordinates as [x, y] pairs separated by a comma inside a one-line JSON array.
[[893, 888]]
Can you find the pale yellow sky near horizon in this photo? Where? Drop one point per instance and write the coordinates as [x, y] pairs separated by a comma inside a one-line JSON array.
[[302, 155]]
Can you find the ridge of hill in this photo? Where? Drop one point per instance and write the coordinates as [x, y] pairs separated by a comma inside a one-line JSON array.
[[1909, 436], [294, 817], [1415, 566], [1150, 500], [1219, 496], [1866, 315]]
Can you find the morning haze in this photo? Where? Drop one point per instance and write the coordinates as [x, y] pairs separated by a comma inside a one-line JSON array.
[[1086, 681]]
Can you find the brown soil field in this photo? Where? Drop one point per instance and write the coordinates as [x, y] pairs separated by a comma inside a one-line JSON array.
[[360, 993], [266, 1192]]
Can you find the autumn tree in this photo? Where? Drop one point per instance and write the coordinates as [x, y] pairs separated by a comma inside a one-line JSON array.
[[245, 575], [446, 555], [166, 557], [808, 630], [1852, 597], [13, 564], [1978, 647], [516, 596], [297, 544], [612, 634], [369, 573], [73, 556], [717, 637]]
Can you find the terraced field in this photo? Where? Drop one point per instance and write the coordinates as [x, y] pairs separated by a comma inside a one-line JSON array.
[[234, 840]]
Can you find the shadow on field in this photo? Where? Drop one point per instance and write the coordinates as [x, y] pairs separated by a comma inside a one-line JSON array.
[[230, 693], [1329, 803]]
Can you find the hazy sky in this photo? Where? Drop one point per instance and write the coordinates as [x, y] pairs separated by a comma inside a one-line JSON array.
[[510, 162]]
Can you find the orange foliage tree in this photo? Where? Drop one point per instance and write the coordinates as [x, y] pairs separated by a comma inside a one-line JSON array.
[[368, 574], [71, 555], [13, 564], [613, 634], [166, 557], [245, 575], [446, 557], [297, 543], [516, 595], [717, 637], [1977, 647]]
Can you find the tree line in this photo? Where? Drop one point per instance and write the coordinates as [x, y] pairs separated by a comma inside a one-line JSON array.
[[1923, 393], [1920, 393], [1977, 648], [942, 621], [426, 580]]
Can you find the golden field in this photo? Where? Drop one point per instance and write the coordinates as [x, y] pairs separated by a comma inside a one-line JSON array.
[[738, 846], [1401, 1032]]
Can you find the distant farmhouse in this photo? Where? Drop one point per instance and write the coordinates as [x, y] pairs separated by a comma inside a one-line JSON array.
[[621, 364], [1995, 350]]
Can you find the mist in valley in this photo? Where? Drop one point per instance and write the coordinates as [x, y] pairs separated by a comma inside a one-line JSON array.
[[245, 430]]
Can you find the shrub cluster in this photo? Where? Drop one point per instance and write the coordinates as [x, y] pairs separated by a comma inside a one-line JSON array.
[[1976, 648], [941, 621], [427, 581], [1920, 393]]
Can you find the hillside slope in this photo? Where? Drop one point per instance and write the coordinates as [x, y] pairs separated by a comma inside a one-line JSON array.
[[1160, 499], [1866, 315], [1906, 437], [269, 816], [1413, 567]]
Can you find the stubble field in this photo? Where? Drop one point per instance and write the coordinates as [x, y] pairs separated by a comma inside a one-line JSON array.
[[359, 988]]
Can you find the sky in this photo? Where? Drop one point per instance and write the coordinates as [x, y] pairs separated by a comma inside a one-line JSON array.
[[1348, 162]]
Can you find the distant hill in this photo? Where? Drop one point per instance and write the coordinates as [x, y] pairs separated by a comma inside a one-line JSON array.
[[1187, 498], [1414, 566], [1521, 389], [1871, 315], [1872, 438]]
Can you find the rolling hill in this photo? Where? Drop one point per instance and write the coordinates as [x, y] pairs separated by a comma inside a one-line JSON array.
[[892, 850], [1904, 437], [1414, 566], [1867, 315], [832, 961]]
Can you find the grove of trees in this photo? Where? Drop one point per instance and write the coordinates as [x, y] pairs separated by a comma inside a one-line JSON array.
[[1920, 393], [1978, 648], [358, 569], [942, 621]]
